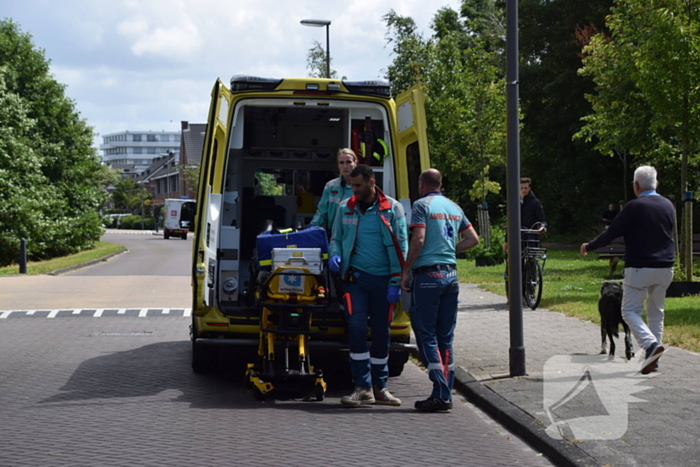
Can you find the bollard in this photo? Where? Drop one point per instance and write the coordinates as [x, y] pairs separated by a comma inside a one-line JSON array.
[[22, 256]]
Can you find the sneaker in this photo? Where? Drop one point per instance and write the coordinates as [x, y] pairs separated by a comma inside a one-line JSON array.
[[433, 403], [382, 396], [651, 358], [359, 396]]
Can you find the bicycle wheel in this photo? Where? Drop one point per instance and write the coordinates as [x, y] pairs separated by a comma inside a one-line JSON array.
[[532, 283]]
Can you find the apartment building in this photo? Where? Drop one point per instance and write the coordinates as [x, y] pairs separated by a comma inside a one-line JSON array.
[[138, 148]]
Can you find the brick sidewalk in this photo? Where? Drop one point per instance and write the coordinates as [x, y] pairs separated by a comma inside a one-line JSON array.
[[663, 422]]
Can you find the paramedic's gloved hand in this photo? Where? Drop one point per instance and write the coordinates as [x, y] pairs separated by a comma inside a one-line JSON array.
[[393, 294], [334, 263]]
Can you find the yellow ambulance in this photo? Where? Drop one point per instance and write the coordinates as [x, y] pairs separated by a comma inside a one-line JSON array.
[[270, 148]]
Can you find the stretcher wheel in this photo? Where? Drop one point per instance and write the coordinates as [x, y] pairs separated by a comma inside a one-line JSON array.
[[320, 392]]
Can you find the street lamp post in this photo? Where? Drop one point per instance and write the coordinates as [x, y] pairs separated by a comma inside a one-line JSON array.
[[317, 23]]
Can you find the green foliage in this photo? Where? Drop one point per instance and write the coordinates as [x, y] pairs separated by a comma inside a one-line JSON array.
[[49, 175], [134, 222], [482, 187], [267, 184], [647, 102], [128, 196], [465, 99], [570, 178], [316, 62], [191, 176], [495, 253]]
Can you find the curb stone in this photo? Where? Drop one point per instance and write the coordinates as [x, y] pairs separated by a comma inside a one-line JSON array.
[[83, 265], [560, 452]]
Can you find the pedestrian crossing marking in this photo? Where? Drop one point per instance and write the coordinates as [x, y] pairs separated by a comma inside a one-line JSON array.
[[97, 313]]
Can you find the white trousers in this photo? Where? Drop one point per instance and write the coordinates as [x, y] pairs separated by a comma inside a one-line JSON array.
[[649, 284]]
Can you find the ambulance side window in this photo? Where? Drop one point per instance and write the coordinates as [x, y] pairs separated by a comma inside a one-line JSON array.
[[414, 170]]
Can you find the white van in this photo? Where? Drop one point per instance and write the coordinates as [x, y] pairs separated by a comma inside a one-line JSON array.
[[178, 217], [269, 150]]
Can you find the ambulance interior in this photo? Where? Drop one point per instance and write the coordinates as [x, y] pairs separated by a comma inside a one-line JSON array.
[[281, 154]]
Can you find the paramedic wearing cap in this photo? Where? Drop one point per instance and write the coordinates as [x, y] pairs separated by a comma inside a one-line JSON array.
[[335, 191], [367, 248], [436, 222]]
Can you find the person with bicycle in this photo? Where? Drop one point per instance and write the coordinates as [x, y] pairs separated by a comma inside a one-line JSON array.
[[532, 224], [436, 225], [531, 211]]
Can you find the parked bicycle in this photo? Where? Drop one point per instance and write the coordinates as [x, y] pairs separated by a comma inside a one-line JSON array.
[[533, 260]]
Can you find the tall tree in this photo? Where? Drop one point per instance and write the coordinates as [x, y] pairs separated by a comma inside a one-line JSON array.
[[656, 43], [552, 97], [316, 62], [465, 99], [61, 145]]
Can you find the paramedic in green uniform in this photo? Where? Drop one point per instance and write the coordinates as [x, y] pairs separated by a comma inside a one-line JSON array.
[[367, 249], [335, 191], [436, 224]]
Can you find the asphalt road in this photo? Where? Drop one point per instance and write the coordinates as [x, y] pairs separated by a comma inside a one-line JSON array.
[[148, 255], [152, 273], [117, 389]]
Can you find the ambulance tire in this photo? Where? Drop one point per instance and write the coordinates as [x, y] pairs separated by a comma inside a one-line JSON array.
[[203, 359], [395, 369], [166, 234], [184, 236]]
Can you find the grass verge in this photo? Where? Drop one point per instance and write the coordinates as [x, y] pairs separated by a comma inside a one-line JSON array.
[[101, 250], [572, 286]]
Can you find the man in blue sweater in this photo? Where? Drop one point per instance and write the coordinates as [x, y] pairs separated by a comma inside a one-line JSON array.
[[646, 224]]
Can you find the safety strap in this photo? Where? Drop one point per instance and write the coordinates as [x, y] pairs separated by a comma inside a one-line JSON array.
[[399, 253]]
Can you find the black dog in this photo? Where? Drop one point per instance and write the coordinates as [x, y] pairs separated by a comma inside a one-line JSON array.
[[610, 309]]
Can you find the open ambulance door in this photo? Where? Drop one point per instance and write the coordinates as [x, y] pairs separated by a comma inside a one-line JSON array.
[[209, 199], [412, 157]]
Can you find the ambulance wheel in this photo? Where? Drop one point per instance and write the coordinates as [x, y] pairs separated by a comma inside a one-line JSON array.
[[320, 392], [395, 369], [258, 394], [203, 358], [166, 234], [184, 236]]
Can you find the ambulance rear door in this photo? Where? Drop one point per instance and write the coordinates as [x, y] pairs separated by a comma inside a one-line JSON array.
[[412, 145], [209, 200]]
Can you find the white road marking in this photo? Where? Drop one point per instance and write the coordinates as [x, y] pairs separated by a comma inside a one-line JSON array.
[[98, 313]]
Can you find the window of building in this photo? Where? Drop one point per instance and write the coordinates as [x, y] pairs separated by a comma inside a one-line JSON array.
[[164, 138], [150, 150], [138, 150], [137, 138], [151, 138]]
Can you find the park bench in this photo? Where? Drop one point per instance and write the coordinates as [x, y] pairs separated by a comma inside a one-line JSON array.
[[612, 252], [616, 250]]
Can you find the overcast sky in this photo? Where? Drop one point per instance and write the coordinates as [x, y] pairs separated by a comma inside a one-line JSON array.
[[148, 64]]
